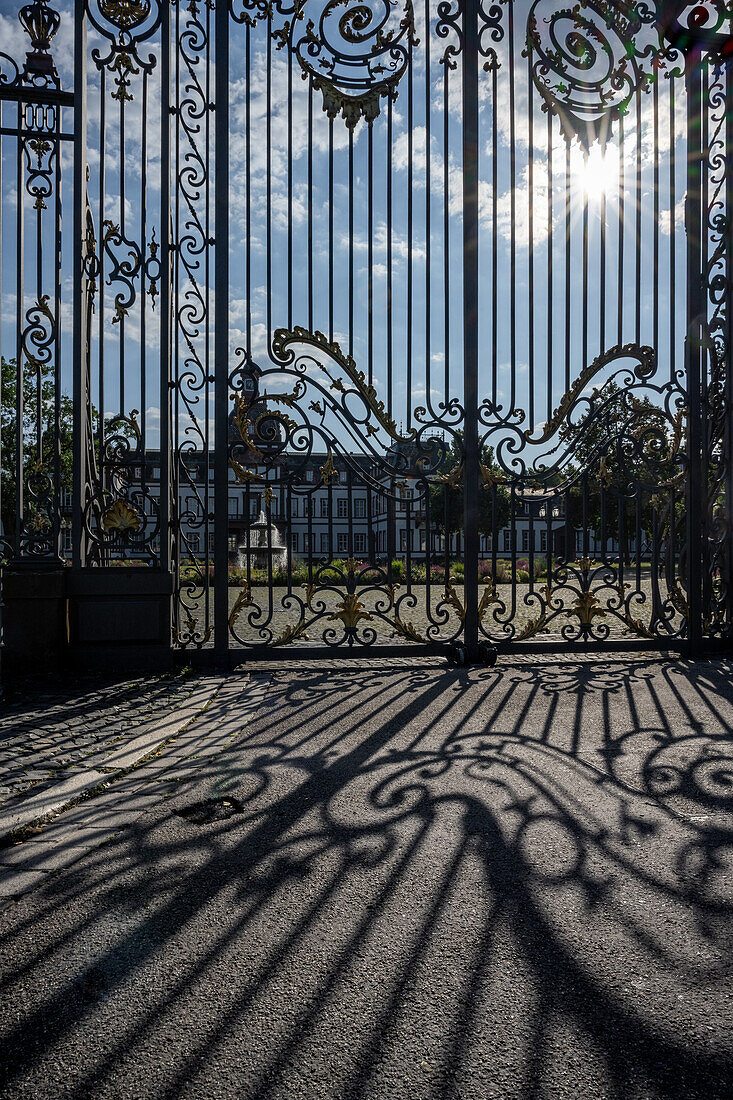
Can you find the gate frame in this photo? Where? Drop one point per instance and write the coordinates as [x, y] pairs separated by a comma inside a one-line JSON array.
[[84, 585]]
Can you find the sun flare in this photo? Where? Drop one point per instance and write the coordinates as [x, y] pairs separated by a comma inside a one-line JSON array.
[[596, 170]]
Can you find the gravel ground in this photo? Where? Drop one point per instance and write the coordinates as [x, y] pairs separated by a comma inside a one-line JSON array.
[[402, 884]]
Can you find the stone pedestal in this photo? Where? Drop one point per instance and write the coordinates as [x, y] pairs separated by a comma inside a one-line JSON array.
[[34, 620], [120, 617]]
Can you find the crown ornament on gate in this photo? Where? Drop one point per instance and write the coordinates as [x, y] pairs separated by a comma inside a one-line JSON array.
[[40, 22], [125, 14]]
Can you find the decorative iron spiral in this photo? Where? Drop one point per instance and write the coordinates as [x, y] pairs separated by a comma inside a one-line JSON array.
[[584, 66], [357, 55]]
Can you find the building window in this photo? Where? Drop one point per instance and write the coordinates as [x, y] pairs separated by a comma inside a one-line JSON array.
[[543, 541], [342, 542], [324, 507], [342, 505], [306, 542], [294, 542], [525, 542], [193, 507], [403, 540], [309, 475], [233, 506], [194, 543], [510, 540], [232, 544], [324, 543], [360, 508], [360, 543], [343, 477]]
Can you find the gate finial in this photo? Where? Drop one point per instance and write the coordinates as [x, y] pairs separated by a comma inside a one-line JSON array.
[[40, 22]]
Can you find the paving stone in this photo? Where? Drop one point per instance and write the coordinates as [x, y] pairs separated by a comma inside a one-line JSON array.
[[14, 882], [40, 855], [42, 732]]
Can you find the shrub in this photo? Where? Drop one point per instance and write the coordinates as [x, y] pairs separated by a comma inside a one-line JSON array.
[[299, 574], [457, 568], [398, 570]]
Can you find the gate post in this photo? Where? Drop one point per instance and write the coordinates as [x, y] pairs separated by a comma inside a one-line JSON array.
[[728, 558], [470, 137], [696, 478], [80, 380]]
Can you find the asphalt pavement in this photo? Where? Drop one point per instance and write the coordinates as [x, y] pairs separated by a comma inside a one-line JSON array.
[[393, 882]]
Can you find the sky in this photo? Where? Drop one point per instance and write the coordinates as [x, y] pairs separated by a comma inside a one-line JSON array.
[[399, 192]]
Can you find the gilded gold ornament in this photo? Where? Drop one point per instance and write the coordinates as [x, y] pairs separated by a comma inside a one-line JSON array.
[[121, 517], [351, 612], [587, 608], [244, 599]]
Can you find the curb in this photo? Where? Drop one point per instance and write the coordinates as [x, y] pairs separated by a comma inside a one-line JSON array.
[[106, 768]]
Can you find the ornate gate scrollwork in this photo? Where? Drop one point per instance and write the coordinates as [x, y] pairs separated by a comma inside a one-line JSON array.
[[388, 325], [309, 402], [589, 62], [614, 452]]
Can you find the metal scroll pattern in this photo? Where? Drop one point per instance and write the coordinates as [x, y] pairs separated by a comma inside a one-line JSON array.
[[36, 415], [355, 52], [275, 433], [589, 61], [716, 345], [126, 26], [193, 611], [612, 471], [122, 513]]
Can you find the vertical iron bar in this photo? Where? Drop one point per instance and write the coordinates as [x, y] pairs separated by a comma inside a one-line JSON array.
[[221, 331], [470, 137]]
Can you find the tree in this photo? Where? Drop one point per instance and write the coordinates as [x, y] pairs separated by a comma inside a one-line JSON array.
[[39, 462], [39, 449], [625, 465]]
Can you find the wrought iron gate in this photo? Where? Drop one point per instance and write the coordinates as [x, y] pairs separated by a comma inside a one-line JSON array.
[[380, 324]]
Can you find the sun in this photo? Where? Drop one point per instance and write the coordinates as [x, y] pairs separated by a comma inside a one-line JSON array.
[[596, 171]]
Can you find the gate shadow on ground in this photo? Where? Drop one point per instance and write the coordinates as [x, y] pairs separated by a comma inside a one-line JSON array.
[[431, 884]]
